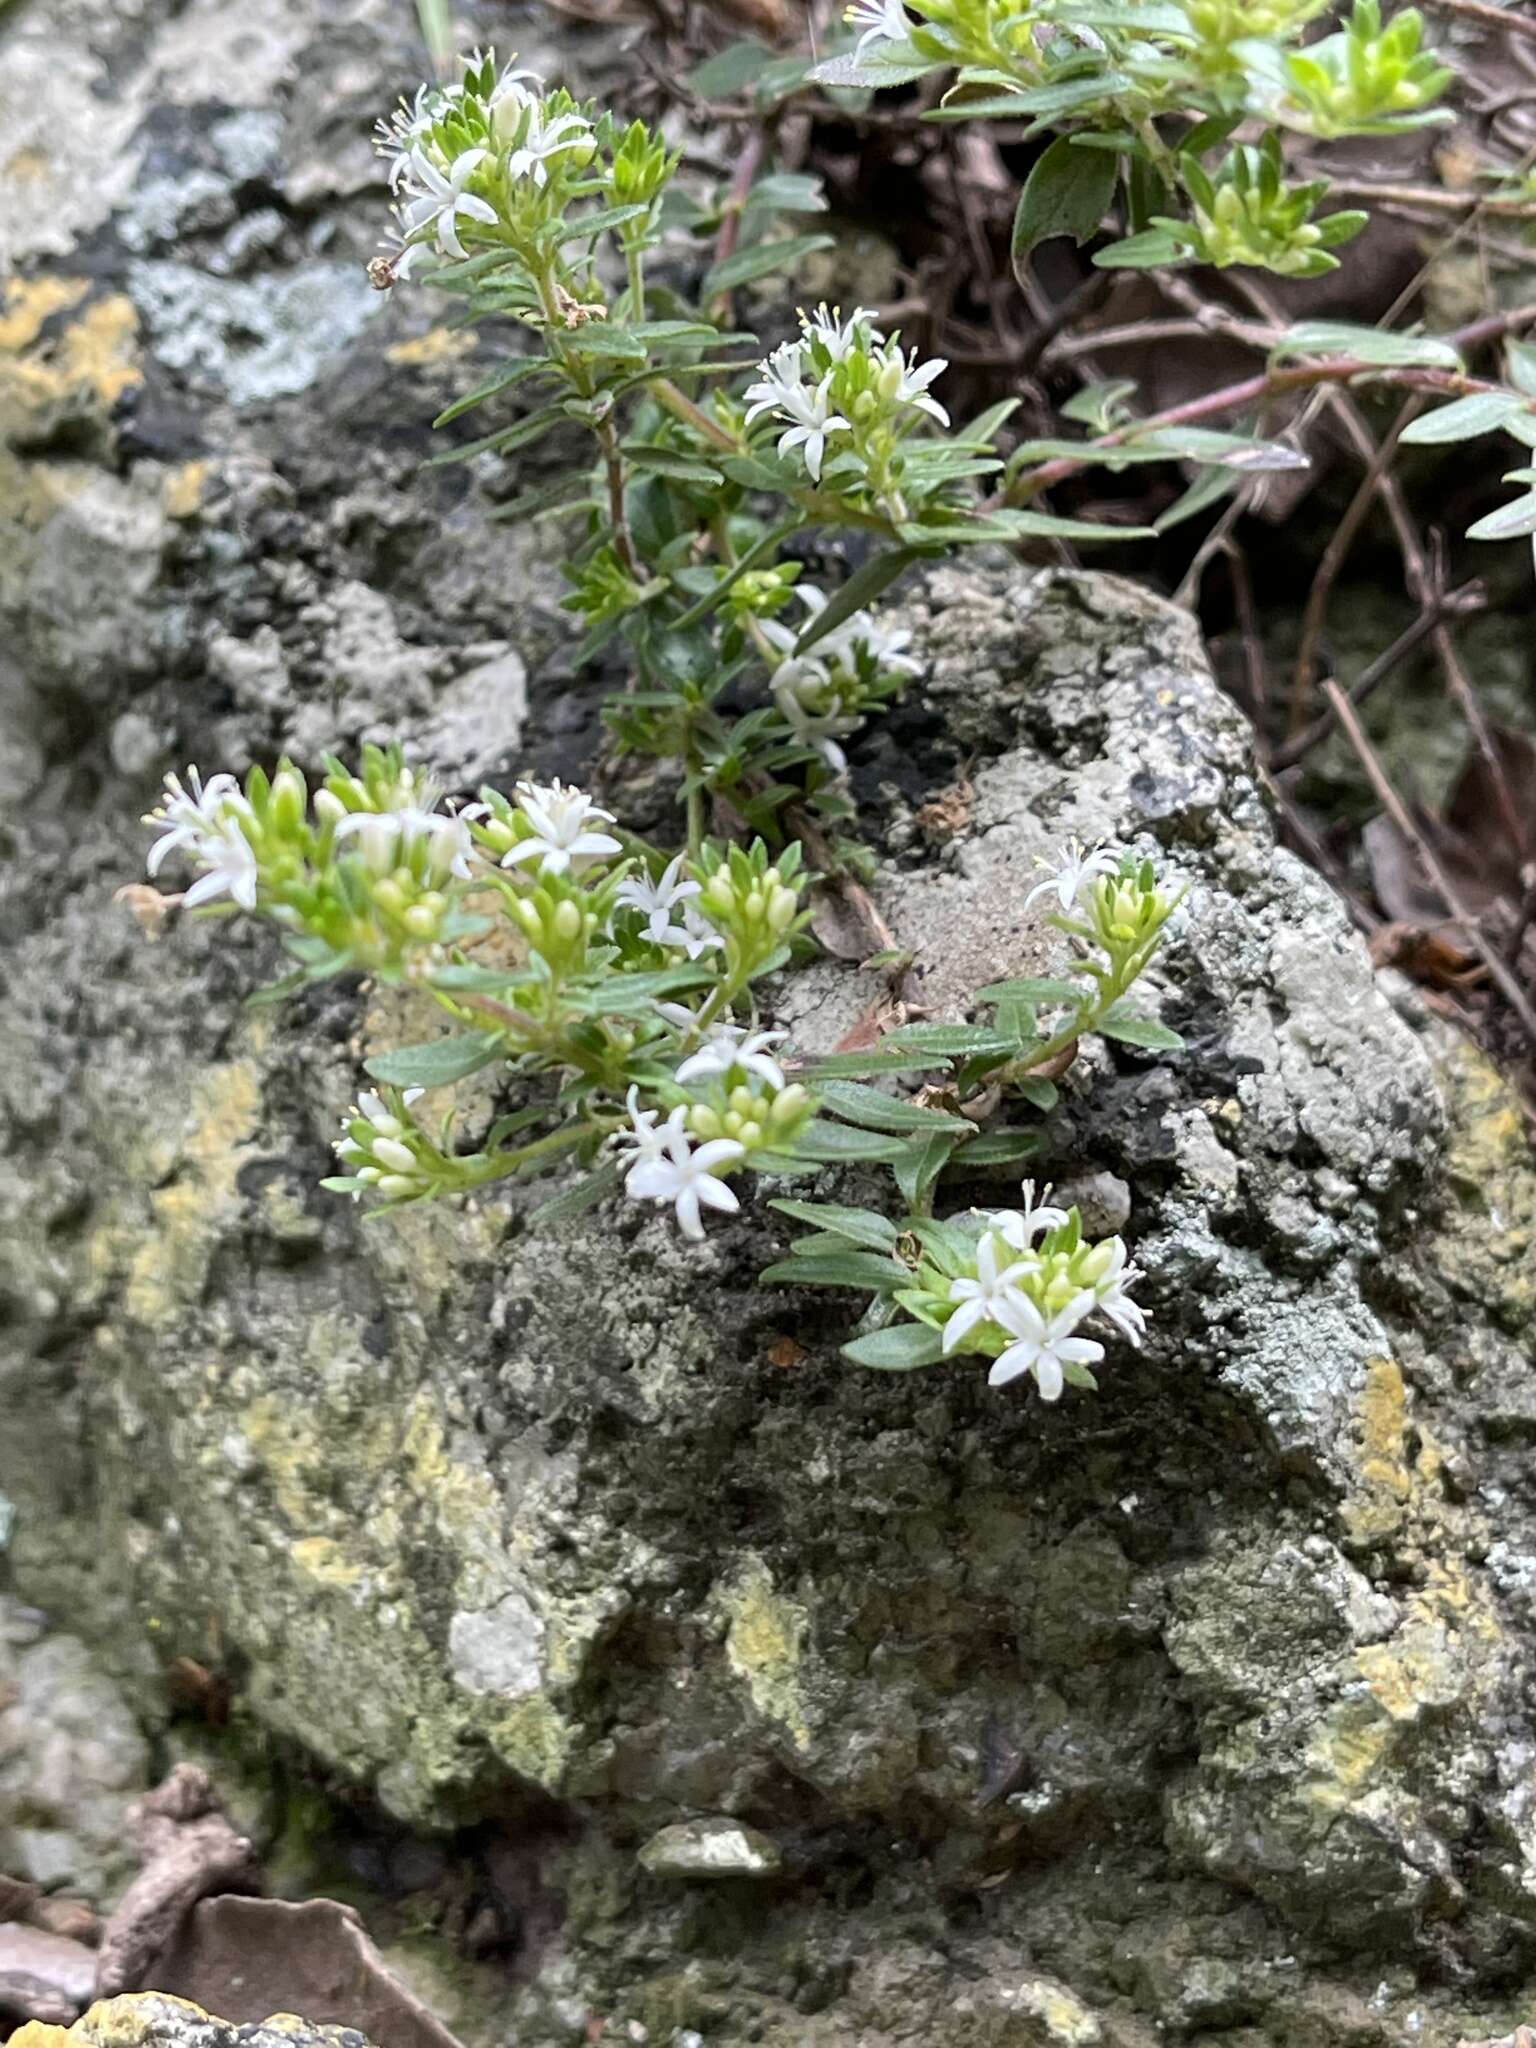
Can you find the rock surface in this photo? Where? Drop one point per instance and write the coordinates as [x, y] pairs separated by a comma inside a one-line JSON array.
[[151, 2020], [1198, 1708]]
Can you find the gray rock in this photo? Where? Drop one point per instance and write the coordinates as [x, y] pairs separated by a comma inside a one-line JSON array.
[[715, 1847], [72, 1760]]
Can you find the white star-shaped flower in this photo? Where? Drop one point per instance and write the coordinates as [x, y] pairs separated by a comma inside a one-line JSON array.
[[1020, 1227], [840, 337], [883, 21], [1111, 1298], [886, 646], [646, 1142], [1075, 868], [563, 839], [979, 1298], [204, 821], [547, 137], [677, 1171], [811, 420], [728, 1046], [444, 201], [911, 385], [1042, 1345], [656, 902]]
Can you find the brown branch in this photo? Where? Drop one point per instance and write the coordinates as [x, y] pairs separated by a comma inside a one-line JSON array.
[[1498, 969], [1452, 603], [1490, 16], [1434, 199]]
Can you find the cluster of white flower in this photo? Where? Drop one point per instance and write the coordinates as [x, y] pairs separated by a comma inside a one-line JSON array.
[[372, 1147], [523, 138], [821, 694], [391, 839], [837, 362], [562, 840], [1032, 1298], [207, 822], [662, 902]]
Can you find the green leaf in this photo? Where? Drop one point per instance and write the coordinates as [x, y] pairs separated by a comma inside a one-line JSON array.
[[882, 67], [438, 1062], [605, 339], [530, 429], [901, 1348], [1208, 488], [839, 1269], [736, 67], [600, 223], [1132, 1028], [1030, 992], [1510, 522], [1009, 524], [1041, 1094], [668, 332], [861, 589], [671, 462], [564, 494], [759, 472], [758, 261], [1067, 193], [1152, 249], [634, 995], [853, 1066], [874, 1110], [786, 192], [836, 1145], [1465, 418], [575, 1201], [921, 1163], [1001, 1147], [953, 1041], [514, 373], [1369, 344], [860, 1226]]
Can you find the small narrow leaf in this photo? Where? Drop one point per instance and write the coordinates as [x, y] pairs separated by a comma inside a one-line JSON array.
[[836, 1145], [864, 1227], [901, 1348], [1030, 992], [874, 1110], [513, 373], [673, 463], [1465, 418], [883, 67], [438, 1062], [839, 1269], [575, 1201], [1368, 344], [758, 261], [1132, 1028], [1510, 522], [921, 1163], [953, 1041], [1000, 1147], [861, 589]]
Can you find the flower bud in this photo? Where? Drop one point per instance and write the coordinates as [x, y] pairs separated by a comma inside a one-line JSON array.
[[329, 808], [420, 922], [782, 906], [390, 1152], [394, 1185], [289, 797], [750, 1133], [789, 1104], [389, 896], [567, 922], [704, 1120]]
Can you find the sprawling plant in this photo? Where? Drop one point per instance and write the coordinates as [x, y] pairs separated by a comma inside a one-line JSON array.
[[1150, 94], [610, 980]]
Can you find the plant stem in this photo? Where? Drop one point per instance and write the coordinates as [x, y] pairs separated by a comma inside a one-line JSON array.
[[500, 1164], [683, 408], [636, 269]]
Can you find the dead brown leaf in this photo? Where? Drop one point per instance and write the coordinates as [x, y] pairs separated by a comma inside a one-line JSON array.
[[846, 922], [946, 815], [1428, 955]]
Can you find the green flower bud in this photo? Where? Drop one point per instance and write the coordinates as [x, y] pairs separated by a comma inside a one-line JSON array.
[[394, 1185], [568, 922], [704, 1121]]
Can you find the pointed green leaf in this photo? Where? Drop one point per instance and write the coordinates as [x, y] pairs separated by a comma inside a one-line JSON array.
[[839, 1269], [1132, 1028], [1465, 418], [757, 261], [438, 1062], [1068, 192], [901, 1348], [864, 1227], [920, 1164], [874, 1110], [1368, 344]]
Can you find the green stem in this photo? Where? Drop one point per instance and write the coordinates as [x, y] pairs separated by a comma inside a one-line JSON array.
[[499, 1164], [636, 269], [683, 408]]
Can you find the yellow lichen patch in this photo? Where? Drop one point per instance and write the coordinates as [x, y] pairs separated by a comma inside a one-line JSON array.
[[1381, 1412], [191, 1209], [1347, 1751], [1488, 1249], [29, 302], [763, 1645], [36, 2035], [182, 491], [534, 1739], [437, 345], [129, 2021], [322, 1559], [94, 354]]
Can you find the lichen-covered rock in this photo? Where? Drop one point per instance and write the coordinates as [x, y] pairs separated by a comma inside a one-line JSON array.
[[147, 2019], [1198, 1707]]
